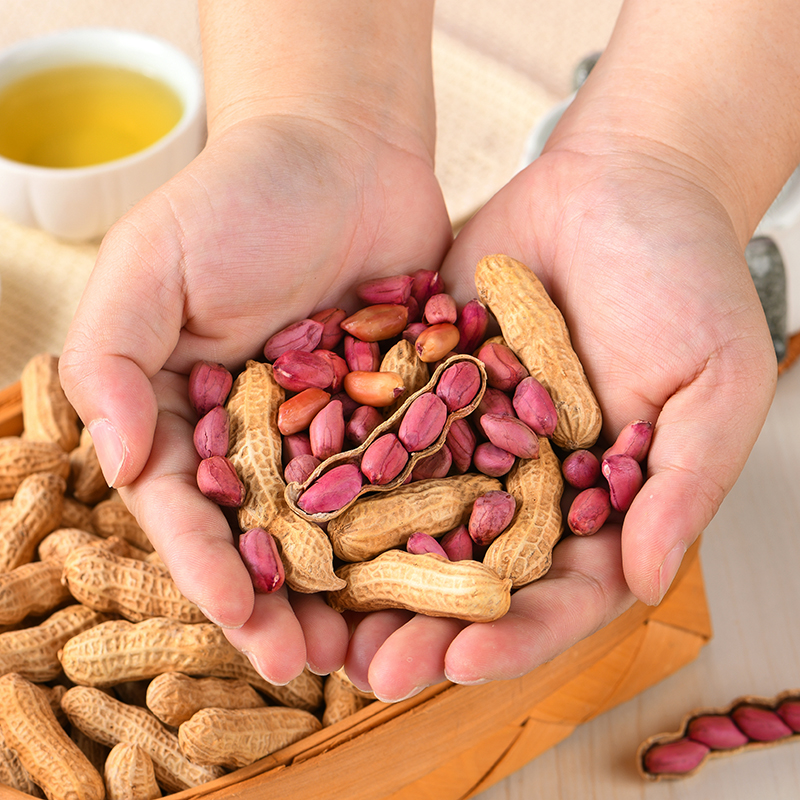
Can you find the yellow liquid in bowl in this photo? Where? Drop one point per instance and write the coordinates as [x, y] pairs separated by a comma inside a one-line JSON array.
[[86, 114]]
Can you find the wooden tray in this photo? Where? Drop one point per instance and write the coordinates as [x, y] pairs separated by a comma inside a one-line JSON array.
[[452, 742]]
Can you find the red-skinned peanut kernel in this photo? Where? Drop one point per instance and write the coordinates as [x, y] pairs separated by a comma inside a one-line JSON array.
[[299, 469], [588, 511], [305, 334], [581, 469], [458, 385], [535, 407], [259, 552], [511, 434], [420, 543], [296, 370], [326, 431], [422, 422], [472, 323], [384, 459], [458, 544], [212, 432], [332, 332], [332, 490], [675, 758], [491, 514], [209, 386], [492, 460], [218, 480], [624, 476]]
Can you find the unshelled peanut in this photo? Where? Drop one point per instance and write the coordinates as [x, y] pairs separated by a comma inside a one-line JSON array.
[[53, 760]]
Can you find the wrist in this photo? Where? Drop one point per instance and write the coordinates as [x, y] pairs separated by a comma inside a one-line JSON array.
[[703, 89], [344, 62]]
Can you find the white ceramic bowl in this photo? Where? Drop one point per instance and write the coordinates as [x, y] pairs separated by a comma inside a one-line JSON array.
[[80, 204]]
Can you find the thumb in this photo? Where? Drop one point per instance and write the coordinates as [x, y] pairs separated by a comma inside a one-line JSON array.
[[126, 325]]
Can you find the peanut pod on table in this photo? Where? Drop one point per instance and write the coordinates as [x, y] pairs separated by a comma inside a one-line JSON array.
[[747, 723]]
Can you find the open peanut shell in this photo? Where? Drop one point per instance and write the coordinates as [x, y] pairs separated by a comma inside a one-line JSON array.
[[293, 490], [770, 703]]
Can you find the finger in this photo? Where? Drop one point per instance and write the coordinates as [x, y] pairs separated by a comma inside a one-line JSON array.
[[189, 531], [272, 638], [124, 329], [583, 591], [701, 441], [412, 657], [325, 632], [370, 633]]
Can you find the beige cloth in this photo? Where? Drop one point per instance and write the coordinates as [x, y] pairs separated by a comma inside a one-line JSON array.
[[498, 66]]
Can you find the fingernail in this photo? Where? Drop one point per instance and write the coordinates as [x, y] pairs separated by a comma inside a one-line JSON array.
[[257, 667], [109, 447], [219, 624], [669, 569], [384, 699], [464, 682]]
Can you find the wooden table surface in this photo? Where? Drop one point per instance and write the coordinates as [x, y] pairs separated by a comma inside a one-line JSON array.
[[751, 562]]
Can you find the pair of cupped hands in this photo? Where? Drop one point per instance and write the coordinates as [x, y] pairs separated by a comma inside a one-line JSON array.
[[280, 217]]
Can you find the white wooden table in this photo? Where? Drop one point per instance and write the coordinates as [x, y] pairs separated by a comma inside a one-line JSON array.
[[751, 564]]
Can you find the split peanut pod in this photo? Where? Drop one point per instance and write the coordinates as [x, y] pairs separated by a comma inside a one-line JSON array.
[[294, 492], [747, 723]]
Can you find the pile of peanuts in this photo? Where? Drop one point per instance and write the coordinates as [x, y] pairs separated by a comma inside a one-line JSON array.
[[112, 683], [411, 401], [747, 723]]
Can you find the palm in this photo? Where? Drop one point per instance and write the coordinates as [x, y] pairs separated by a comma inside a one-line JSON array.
[[276, 219], [664, 315]]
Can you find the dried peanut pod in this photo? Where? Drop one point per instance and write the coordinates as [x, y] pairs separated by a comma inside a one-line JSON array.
[[391, 425], [305, 551], [20, 458], [117, 651], [129, 773], [13, 773], [112, 518], [109, 721], [52, 759], [33, 652], [255, 451], [31, 515], [76, 515], [33, 588], [47, 415], [88, 484], [132, 588], [96, 753], [436, 506], [56, 546], [535, 330], [174, 697], [402, 359], [425, 584], [342, 699], [523, 552], [255, 442], [234, 738]]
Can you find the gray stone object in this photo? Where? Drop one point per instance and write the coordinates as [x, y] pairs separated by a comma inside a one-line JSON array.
[[769, 276]]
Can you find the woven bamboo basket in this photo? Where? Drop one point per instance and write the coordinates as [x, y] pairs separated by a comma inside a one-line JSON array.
[[453, 742]]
